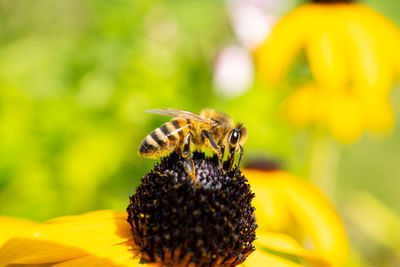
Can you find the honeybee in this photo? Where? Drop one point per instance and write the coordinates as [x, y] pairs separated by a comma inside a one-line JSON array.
[[188, 132]]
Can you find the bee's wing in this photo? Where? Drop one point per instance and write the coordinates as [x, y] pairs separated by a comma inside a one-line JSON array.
[[179, 129], [171, 112]]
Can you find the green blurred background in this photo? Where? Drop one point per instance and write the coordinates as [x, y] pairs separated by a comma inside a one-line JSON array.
[[76, 77]]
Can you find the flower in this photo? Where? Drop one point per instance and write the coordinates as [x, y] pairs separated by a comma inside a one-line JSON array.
[[298, 211], [10, 226], [233, 72], [347, 44], [353, 58], [99, 238], [176, 221], [106, 238], [344, 113]]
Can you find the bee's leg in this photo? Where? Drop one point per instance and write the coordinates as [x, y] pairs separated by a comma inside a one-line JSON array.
[[221, 157], [188, 163], [240, 159], [231, 158], [214, 147]]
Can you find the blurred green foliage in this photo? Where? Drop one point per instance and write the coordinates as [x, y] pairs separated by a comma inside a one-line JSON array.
[[77, 76]]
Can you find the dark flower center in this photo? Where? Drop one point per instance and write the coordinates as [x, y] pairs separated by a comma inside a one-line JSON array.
[[176, 222]]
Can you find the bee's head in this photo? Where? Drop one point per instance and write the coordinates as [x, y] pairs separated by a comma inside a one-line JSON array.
[[237, 137]]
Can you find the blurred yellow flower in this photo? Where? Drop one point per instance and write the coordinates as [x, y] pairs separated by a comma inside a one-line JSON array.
[[298, 210], [347, 44], [10, 226], [342, 111], [103, 238]]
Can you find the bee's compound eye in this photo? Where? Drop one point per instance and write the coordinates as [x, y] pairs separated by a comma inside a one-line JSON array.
[[234, 137]]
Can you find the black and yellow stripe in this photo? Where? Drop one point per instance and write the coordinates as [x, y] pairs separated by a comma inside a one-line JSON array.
[[164, 139], [178, 124]]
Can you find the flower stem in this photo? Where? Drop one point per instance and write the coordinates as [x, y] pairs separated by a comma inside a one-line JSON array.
[[324, 163]]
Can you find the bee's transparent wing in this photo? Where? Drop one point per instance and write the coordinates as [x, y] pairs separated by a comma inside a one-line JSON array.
[[171, 112]]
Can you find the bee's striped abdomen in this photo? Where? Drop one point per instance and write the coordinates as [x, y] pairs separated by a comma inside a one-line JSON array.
[[169, 131], [163, 140]]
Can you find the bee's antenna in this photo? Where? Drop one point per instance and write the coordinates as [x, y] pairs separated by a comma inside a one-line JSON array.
[[239, 125]]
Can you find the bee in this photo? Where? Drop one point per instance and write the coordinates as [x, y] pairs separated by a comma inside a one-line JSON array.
[[188, 132]]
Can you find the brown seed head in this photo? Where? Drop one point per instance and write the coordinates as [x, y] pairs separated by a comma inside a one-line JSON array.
[[176, 222]]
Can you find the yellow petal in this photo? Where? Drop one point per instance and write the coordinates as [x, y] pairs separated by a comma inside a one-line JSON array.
[[325, 49], [285, 244], [370, 63], [260, 258], [148, 264], [269, 209], [66, 238], [298, 106], [387, 32], [272, 212], [311, 214], [378, 115], [93, 216], [10, 227], [122, 254], [33, 251], [306, 105], [317, 217], [345, 118], [276, 54]]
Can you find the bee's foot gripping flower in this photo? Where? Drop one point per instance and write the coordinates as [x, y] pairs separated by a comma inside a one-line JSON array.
[[175, 221]]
